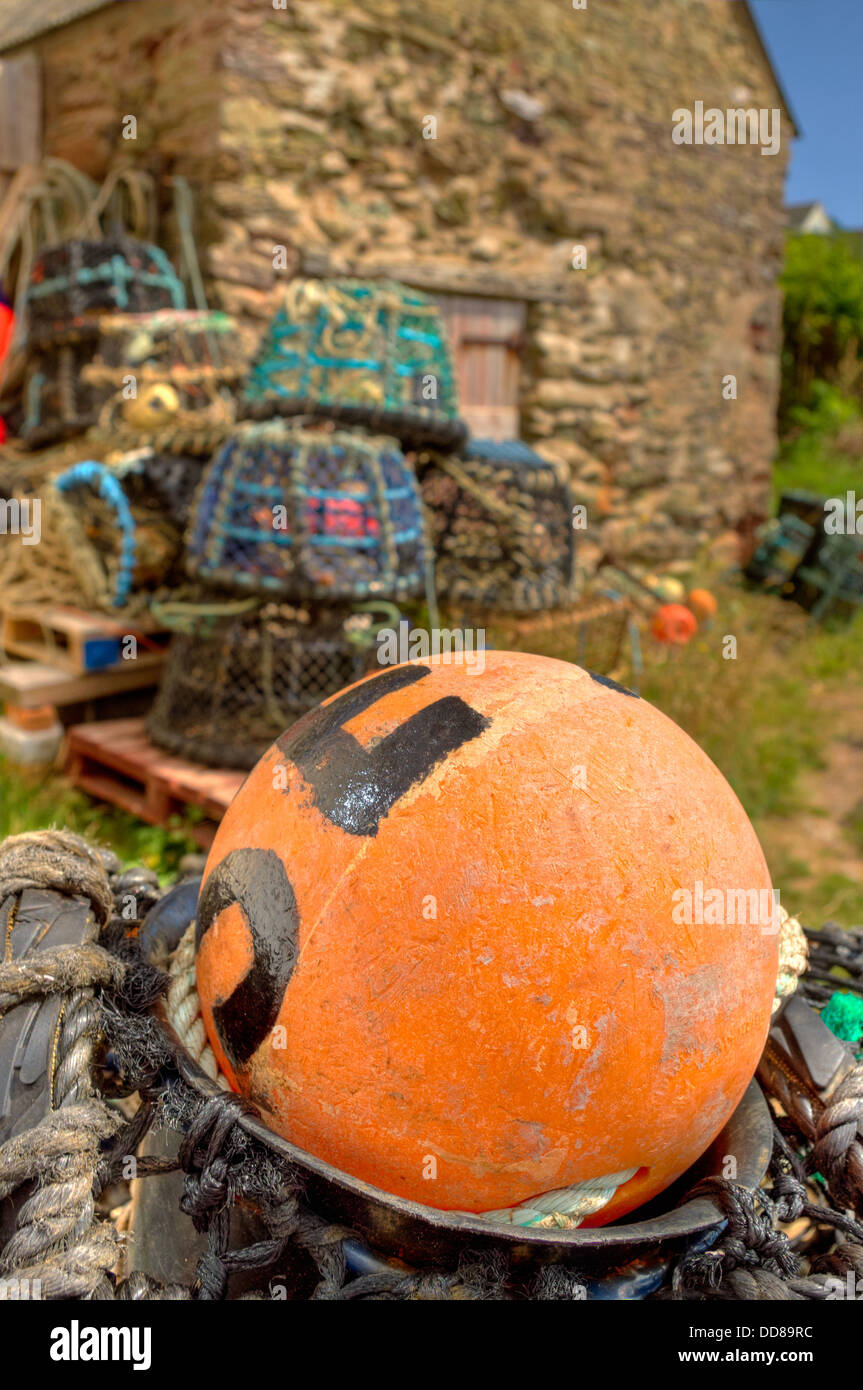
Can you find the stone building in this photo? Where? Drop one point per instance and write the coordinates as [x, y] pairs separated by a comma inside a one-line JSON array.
[[603, 283]]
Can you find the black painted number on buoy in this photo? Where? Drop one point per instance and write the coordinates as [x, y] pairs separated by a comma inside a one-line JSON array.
[[254, 879], [355, 787]]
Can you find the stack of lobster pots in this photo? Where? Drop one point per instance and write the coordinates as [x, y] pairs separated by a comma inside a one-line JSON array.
[[275, 517], [113, 357]]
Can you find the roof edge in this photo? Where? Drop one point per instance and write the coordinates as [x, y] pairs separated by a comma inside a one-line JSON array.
[[796, 128], [30, 22]]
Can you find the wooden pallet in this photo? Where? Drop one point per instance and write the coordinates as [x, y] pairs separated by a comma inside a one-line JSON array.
[[26, 684], [116, 762], [79, 642]]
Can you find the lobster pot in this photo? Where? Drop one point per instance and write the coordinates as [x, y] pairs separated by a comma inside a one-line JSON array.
[[121, 525], [233, 683], [132, 377], [500, 523], [371, 353], [308, 512], [58, 401], [783, 544], [181, 364], [77, 280], [831, 581]]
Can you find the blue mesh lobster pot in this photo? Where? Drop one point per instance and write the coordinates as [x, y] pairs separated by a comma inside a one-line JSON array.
[[374, 354], [307, 511], [76, 280], [500, 523]]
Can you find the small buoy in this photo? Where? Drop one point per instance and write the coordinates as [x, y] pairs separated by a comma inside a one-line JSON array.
[[457, 937], [156, 405], [703, 604], [666, 587], [673, 624]]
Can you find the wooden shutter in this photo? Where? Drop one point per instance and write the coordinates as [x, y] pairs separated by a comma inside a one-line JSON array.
[[486, 337], [20, 112]]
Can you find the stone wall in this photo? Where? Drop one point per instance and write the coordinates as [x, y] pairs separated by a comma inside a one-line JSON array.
[[158, 62], [553, 129]]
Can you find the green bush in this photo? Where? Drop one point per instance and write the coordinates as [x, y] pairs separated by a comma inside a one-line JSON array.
[[822, 320]]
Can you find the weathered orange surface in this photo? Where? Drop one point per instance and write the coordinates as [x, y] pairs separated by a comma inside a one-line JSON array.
[[550, 846], [674, 624], [703, 603]]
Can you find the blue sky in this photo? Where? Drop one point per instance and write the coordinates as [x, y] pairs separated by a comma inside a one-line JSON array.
[[817, 50]]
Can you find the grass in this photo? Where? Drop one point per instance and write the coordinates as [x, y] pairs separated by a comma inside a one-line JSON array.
[[31, 801]]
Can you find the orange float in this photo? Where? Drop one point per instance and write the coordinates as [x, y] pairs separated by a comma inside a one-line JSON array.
[[453, 937], [703, 604], [673, 624]]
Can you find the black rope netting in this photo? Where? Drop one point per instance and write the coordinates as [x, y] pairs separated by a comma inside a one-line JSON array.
[[798, 1237]]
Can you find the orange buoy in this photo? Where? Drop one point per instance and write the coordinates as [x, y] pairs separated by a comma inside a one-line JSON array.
[[453, 938], [703, 604], [673, 624]]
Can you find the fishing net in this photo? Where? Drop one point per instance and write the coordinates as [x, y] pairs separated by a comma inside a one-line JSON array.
[[306, 511], [500, 522]]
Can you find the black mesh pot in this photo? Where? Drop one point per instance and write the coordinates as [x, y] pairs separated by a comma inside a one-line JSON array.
[[500, 522], [79, 279], [238, 675]]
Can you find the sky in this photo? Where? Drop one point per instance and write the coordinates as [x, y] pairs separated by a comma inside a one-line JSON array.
[[817, 50]]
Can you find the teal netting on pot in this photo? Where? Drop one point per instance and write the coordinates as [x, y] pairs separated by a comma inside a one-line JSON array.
[[76, 280], [238, 674], [309, 512], [371, 353], [500, 522]]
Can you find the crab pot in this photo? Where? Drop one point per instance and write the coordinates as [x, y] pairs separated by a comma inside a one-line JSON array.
[[591, 632], [784, 544], [58, 401], [370, 353], [181, 365], [831, 582], [122, 522], [500, 522], [233, 683], [76, 280], [309, 512]]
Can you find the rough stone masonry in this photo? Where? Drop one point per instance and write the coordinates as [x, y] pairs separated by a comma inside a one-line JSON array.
[[306, 126]]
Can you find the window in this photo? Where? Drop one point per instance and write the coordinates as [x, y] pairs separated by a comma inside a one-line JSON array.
[[486, 338], [20, 112]]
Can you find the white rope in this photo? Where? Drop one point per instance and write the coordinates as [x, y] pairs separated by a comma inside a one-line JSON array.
[[184, 1009]]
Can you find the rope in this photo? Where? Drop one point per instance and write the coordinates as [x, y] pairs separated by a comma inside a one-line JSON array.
[[55, 859], [184, 1011], [58, 1240]]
